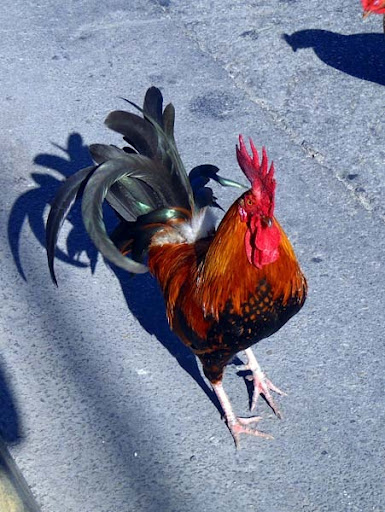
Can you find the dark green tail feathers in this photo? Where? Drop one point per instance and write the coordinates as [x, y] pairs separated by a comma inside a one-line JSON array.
[[145, 183]]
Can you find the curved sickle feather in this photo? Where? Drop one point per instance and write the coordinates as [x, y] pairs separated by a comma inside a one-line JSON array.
[[153, 104], [59, 210], [169, 121], [94, 194], [136, 131], [102, 152], [168, 152], [162, 216]]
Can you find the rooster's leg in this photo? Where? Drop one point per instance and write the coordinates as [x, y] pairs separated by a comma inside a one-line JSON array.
[[262, 385], [236, 425]]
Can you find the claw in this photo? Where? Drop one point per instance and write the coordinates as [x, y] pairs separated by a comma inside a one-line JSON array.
[[239, 426], [262, 385]]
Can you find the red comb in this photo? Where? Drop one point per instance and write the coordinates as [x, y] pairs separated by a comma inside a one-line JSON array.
[[257, 173], [376, 6]]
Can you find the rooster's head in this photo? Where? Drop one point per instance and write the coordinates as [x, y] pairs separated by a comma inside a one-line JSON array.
[[375, 6], [256, 206]]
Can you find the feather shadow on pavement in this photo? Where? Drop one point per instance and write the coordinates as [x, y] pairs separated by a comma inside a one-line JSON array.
[[32, 204], [358, 55], [147, 305]]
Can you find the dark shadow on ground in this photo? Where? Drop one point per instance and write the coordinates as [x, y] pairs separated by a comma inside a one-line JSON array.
[[10, 429], [14, 487], [142, 294], [358, 55], [145, 301], [32, 204]]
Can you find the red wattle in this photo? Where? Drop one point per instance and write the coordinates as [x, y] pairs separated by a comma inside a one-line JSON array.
[[261, 243]]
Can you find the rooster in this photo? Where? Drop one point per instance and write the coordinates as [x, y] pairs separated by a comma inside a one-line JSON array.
[[374, 6], [224, 289]]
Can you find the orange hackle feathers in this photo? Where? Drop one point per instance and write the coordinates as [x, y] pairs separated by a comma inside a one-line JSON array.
[[200, 278], [228, 273], [178, 282]]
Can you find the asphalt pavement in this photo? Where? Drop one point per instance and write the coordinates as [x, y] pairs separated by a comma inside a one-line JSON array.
[[102, 408]]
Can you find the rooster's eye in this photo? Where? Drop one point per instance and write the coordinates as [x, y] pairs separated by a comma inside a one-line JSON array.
[[249, 202]]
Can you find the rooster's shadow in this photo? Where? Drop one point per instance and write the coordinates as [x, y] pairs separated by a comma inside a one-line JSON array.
[[359, 55], [10, 421], [141, 292], [31, 206]]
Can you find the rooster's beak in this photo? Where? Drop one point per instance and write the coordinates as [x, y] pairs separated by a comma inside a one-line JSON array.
[[268, 221], [365, 14]]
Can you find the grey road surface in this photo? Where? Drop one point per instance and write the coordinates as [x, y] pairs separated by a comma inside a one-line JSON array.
[[101, 406]]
